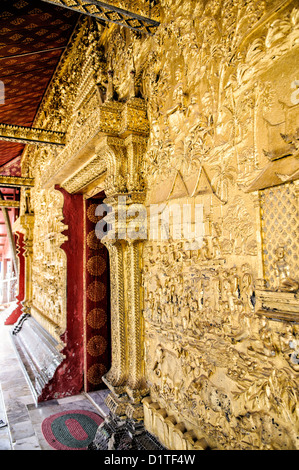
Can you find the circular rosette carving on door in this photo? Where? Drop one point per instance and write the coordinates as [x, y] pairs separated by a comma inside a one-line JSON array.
[[91, 213], [95, 373], [96, 346], [93, 242], [96, 291], [97, 318], [96, 265]]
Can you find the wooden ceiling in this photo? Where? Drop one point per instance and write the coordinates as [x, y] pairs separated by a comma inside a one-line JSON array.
[[33, 36]]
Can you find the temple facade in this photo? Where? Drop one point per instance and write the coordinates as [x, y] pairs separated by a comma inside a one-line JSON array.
[[158, 222]]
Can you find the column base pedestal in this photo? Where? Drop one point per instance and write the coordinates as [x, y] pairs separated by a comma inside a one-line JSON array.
[[123, 434], [123, 428], [124, 409], [115, 406]]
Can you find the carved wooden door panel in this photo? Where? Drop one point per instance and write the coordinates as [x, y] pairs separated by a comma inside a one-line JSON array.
[[97, 355]]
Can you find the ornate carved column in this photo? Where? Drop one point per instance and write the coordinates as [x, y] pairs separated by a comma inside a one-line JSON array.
[[116, 378], [28, 222], [15, 315], [125, 378], [136, 387], [125, 193]]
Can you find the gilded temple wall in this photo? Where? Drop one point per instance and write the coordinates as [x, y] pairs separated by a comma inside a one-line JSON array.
[[220, 94], [220, 82]]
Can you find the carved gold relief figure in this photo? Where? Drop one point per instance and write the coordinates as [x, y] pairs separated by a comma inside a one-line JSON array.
[[282, 272]]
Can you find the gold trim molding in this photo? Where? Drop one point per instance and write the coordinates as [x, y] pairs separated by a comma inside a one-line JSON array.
[[29, 135], [16, 181], [113, 13], [10, 204]]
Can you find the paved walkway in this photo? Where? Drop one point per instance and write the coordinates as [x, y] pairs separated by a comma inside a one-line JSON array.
[[20, 418]]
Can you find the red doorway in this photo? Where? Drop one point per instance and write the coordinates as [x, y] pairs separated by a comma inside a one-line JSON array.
[[97, 330]]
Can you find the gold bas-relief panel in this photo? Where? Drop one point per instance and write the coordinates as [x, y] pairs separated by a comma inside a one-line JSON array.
[[49, 262], [224, 116], [218, 301]]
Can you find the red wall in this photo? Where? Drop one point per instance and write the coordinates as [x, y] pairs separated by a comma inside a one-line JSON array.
[[68, 378]]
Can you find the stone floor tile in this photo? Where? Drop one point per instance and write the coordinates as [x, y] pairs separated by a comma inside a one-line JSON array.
[[29, 443]]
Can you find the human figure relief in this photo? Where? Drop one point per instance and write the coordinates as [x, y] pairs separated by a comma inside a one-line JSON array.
[[150, 306], [205, 251], [227, 291], [166, 301], [193, 314], [247, 289], [235, 282], [282, 273], [216, 248], [159, 305], [290, 347], [216, 289], [174, 301], [158, 361], [176, 115]]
